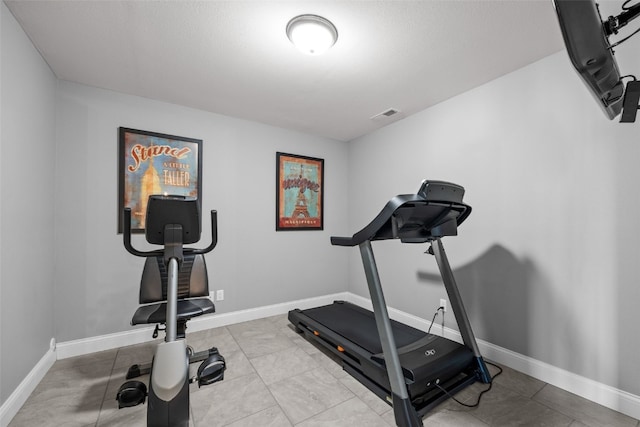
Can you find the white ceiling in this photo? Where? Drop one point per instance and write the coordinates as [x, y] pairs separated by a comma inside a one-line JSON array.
[[234, 58]]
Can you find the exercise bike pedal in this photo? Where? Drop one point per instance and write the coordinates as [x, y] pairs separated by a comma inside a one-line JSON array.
[[212, 369], [131, 393]]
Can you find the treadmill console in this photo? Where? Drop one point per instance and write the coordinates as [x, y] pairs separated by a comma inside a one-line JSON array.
[[441, 191], [435, 211]]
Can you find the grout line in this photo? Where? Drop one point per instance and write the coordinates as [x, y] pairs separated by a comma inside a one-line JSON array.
[[267, 387], [538, 392], [106, 390]]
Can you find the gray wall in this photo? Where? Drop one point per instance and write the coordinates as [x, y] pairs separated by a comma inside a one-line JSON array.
[[27, 174], [547, 263], [97, 280]]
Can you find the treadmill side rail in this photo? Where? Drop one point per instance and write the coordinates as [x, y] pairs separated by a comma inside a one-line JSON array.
[[458, 308], [404, 411]]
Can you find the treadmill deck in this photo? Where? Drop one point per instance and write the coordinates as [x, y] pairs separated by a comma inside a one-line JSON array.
[[424, 358]]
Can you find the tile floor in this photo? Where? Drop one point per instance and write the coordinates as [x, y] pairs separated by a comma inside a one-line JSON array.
[[276, 378]]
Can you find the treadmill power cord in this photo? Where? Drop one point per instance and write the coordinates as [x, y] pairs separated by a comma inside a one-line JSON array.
[[475, 405], [434, 319]]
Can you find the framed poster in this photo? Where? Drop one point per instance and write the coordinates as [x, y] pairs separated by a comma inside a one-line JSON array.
[[299, 192], [154, 163]]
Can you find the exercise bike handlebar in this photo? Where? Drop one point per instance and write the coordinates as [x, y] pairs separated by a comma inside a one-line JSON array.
[[126, 235]]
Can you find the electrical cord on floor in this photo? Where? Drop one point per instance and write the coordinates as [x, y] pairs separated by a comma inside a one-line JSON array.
[[475, 405]]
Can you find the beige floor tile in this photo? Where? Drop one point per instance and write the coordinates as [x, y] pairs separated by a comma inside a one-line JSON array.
[[367, 396], [230, 400], [518, 382], [352, 412], [270, 417], [309, 394], [54, 408], [220, 338], [283, 364], [580, 409], [452, 418]]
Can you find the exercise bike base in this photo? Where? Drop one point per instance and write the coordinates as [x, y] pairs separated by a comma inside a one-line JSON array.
[[138, 370], [174, 413]]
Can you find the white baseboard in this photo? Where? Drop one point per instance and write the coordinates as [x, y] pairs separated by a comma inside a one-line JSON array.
[[602, 394], [224, 319], [141, 335], [83, 346], [12, 405]]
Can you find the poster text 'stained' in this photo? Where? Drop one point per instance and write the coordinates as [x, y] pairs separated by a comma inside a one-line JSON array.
[[180, 178]]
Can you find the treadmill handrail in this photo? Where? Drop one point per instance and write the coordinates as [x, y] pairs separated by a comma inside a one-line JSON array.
[[384, 221]]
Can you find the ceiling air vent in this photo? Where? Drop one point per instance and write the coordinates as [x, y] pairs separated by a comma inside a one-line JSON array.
[[387, 115]]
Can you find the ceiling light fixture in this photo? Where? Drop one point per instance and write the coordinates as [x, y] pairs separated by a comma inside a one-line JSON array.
[[312, 34]]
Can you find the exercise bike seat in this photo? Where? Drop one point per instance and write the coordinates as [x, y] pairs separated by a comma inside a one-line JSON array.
[[193, 291], [156, 313]]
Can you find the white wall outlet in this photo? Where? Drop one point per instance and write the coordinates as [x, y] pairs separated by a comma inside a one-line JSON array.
[[443, 304], [212, 295], [219, 295]]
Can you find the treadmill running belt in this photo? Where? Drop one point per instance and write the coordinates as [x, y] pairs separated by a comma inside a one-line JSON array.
[[359, 326]]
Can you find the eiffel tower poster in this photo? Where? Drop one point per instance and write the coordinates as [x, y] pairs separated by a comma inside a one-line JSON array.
[[299, 193]]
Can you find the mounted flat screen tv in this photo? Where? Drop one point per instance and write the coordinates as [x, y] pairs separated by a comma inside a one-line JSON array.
[[589, 50]]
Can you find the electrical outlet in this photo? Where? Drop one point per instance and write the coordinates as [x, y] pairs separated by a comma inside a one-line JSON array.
[[443, 304], [212, 295], [219, 295]]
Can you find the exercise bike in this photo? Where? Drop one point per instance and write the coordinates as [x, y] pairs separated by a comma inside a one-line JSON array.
[[173, 289]]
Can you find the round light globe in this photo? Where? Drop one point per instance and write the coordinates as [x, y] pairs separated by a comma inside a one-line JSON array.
[[312, 34]]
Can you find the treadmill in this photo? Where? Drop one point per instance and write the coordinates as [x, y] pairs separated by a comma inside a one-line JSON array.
[[410, 369]]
